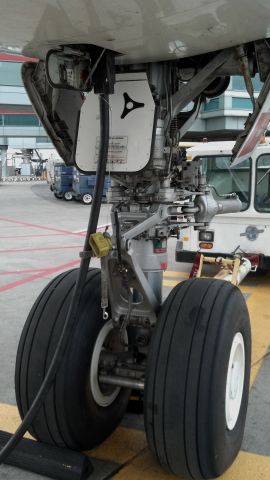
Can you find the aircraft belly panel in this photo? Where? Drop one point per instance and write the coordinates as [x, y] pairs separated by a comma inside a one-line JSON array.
[[141, 30]]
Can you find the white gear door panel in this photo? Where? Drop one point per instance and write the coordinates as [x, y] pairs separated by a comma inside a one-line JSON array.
[[132, 111]]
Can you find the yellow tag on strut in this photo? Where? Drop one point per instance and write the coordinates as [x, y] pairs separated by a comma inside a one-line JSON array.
[[100, 245]]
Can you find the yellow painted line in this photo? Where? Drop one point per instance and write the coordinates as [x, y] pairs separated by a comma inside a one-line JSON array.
[[10, 418], [172, 274], [170, 283], [258, 307], [260, 330], [247, 466], [121, 447], [128, 447]]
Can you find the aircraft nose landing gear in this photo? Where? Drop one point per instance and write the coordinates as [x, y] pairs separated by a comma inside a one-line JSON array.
[[188, 356]]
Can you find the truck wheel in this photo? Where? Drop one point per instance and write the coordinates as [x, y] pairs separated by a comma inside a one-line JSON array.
[[197, 379], [87, 198], [78, 413], [68, 196], [58, 195]]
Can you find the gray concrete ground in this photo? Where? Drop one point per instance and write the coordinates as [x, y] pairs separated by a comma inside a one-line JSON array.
[[39, 237], [37, 232]]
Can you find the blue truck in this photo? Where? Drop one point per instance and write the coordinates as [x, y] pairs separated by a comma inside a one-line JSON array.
[[83, 186], [70, 184], [62, 183]]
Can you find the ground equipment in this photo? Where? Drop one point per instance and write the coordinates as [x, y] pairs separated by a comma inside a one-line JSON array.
[[62, 185], [83, 187], [57, 463], [244, 233]]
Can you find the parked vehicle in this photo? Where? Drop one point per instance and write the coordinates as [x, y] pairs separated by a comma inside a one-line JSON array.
[[247, 231], [62, 184], [83, 186]]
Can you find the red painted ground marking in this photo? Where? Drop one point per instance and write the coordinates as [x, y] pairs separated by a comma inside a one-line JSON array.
[[43, 227], [99, 227], [16, 250], [21, 272], [33, 225], [34, 235], [44, 273]]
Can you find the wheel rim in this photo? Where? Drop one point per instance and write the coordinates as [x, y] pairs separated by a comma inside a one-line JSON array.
[[101, 398], [235, 381], [87, 198], [68, 196]]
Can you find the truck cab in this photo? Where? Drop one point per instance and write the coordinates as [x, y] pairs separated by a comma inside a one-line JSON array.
[[247, 231]]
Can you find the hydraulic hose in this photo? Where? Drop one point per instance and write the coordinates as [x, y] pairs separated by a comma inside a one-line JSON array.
[[72, 315]]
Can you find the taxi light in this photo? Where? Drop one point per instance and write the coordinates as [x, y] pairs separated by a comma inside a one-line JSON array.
[[206, 245], [206, 236]]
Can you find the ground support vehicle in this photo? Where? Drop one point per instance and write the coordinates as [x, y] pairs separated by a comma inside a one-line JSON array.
[[83, 187], [246, 232], [62, 185], [233, 269]]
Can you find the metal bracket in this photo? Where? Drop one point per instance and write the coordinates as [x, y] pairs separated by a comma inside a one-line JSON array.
[[199, 82], [162, 213]]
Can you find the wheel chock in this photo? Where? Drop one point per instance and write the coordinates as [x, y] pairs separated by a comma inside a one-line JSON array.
[[47, 460]]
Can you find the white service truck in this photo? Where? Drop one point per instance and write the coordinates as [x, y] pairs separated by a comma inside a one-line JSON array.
[[245, 232]]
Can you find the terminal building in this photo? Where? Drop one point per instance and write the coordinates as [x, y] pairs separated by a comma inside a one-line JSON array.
[[223, 117], [220, 118], [20, 128]]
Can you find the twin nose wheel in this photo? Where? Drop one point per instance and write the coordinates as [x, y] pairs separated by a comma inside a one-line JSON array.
[[196, 380]]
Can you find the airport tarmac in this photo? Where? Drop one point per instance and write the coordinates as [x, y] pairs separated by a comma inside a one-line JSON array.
[[40, 237]]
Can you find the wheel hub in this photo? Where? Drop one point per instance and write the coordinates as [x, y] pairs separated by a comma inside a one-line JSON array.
[[87, 198], [104, 395], [235, 381]]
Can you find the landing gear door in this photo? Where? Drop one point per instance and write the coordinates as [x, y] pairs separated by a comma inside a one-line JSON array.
[[255, 127], [132, 112]]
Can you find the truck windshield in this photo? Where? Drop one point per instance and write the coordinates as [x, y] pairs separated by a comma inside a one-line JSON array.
[[262, 195], [227, 180]]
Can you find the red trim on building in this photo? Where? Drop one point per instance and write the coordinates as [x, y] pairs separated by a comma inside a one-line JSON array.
[[9, 57]]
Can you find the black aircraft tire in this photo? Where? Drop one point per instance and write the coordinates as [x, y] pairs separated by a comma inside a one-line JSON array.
[[70, 416], [197, 379]]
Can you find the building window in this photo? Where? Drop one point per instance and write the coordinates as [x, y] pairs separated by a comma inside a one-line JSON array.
[[213, 104], [257, 84], [238, 83], [242, 103], [225, 179], [10, 74], [43, 140], [262, 195], [20, 120]]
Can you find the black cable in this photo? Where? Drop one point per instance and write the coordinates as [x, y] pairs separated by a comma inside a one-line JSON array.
[[72, 315]]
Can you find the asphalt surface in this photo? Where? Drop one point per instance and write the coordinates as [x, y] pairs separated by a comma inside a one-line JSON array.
[[41, 236]]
